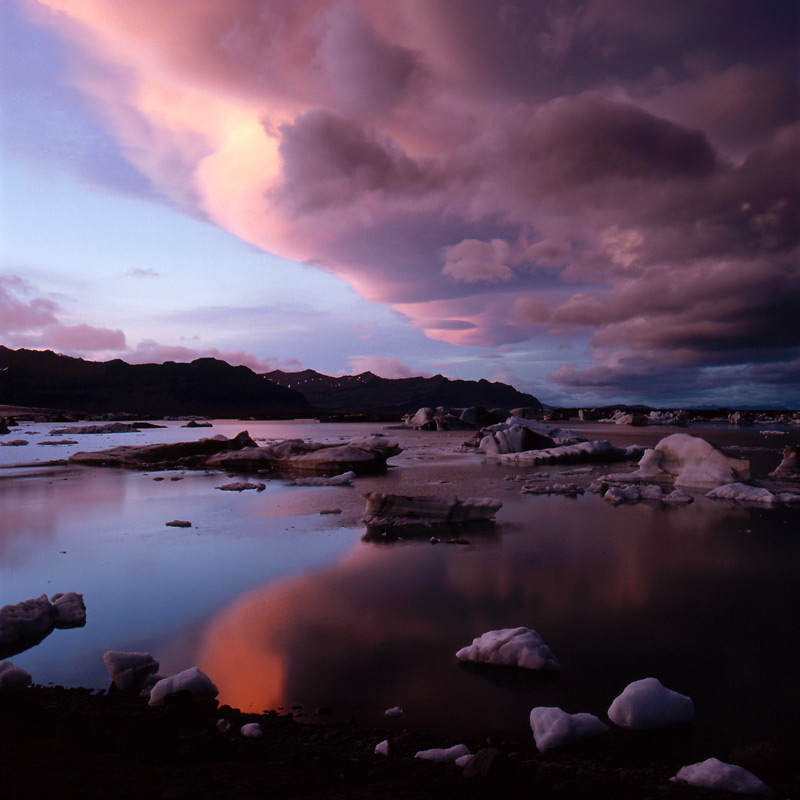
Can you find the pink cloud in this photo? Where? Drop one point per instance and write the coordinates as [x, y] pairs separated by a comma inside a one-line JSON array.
[[492, 173]]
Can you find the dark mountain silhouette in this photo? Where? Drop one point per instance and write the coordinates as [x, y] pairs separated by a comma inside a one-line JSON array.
[[207, 387], [367, 393]]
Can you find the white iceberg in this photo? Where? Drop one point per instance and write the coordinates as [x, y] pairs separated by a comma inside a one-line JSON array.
[[688, 461], [191, 680], [382, 748], [130, 672], [753, 495], [443, 754], [13, 678], [511, 647], [252, 730], [715, 774], [553, 727], [648, 704]]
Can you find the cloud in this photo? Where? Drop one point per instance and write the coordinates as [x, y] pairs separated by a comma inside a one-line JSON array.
[[495, 173], [33, 322]]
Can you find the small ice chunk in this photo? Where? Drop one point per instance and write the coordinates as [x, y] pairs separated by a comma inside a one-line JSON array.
[[191, 680], [553, 727], [462, 761], [622, 494], [382, 748], [443, 754], [395, 711], [343, 479], [252, 730], [70, 611], [513, 647], [130, 671], [13, 678], [648, 704], [224, 726], [752, 495], [715, 774]]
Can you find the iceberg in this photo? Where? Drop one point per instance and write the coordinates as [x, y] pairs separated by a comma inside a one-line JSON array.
[[443, 754], [396, 509], [191, 680], [130, 672], [715, 774], [510, 647], [648, 704], [553, 727]]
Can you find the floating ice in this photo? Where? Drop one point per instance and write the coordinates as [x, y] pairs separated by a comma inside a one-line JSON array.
[[553, 727], [191, 680], [12, 678], [252, 730], [715, 774], [688, 461], [395, 711], [444, 754], [130, 672], [513, 647], [28, 620], [396, 509], [648, 704], [69, 610], [462, 761], [344, 479], [753, 495], [242, 486]]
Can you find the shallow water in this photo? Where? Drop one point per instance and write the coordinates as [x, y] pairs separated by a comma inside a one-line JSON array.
[[283, 605]]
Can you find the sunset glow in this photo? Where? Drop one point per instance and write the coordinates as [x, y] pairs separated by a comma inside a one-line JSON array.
[[595, 200]]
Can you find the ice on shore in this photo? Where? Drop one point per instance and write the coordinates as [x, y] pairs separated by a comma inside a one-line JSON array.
[[553, 727], [343, 479], [687, 460], [444, 754], [13, 678], [648, 704], [382, 748], [191, 680], [252, 730], [130, 672], [715, 774], [511, 647], [753, 495]]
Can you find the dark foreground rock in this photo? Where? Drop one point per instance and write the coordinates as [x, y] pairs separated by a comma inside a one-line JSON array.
[[59, 742]]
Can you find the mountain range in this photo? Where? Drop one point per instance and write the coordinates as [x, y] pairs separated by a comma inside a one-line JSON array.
[[210, 387], [368, 393]]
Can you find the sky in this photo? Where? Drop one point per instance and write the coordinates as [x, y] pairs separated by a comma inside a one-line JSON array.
[[596, 201]]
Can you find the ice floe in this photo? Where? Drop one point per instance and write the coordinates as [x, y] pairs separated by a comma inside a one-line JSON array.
[[648, 704], [24, 624], [343, 479], [789, 468], [13, 678], [395, 711], [553, 727], [753, 495], [631, 493], [510, 647], [130, 672], [686, 460], [443, 754], [191, 680], [382, 748], [395, 509], [715, 774]]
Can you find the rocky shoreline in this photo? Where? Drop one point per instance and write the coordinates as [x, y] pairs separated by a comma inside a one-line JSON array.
[[59, 742]]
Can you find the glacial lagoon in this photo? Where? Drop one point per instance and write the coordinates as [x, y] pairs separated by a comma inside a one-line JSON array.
[[285, 600]]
